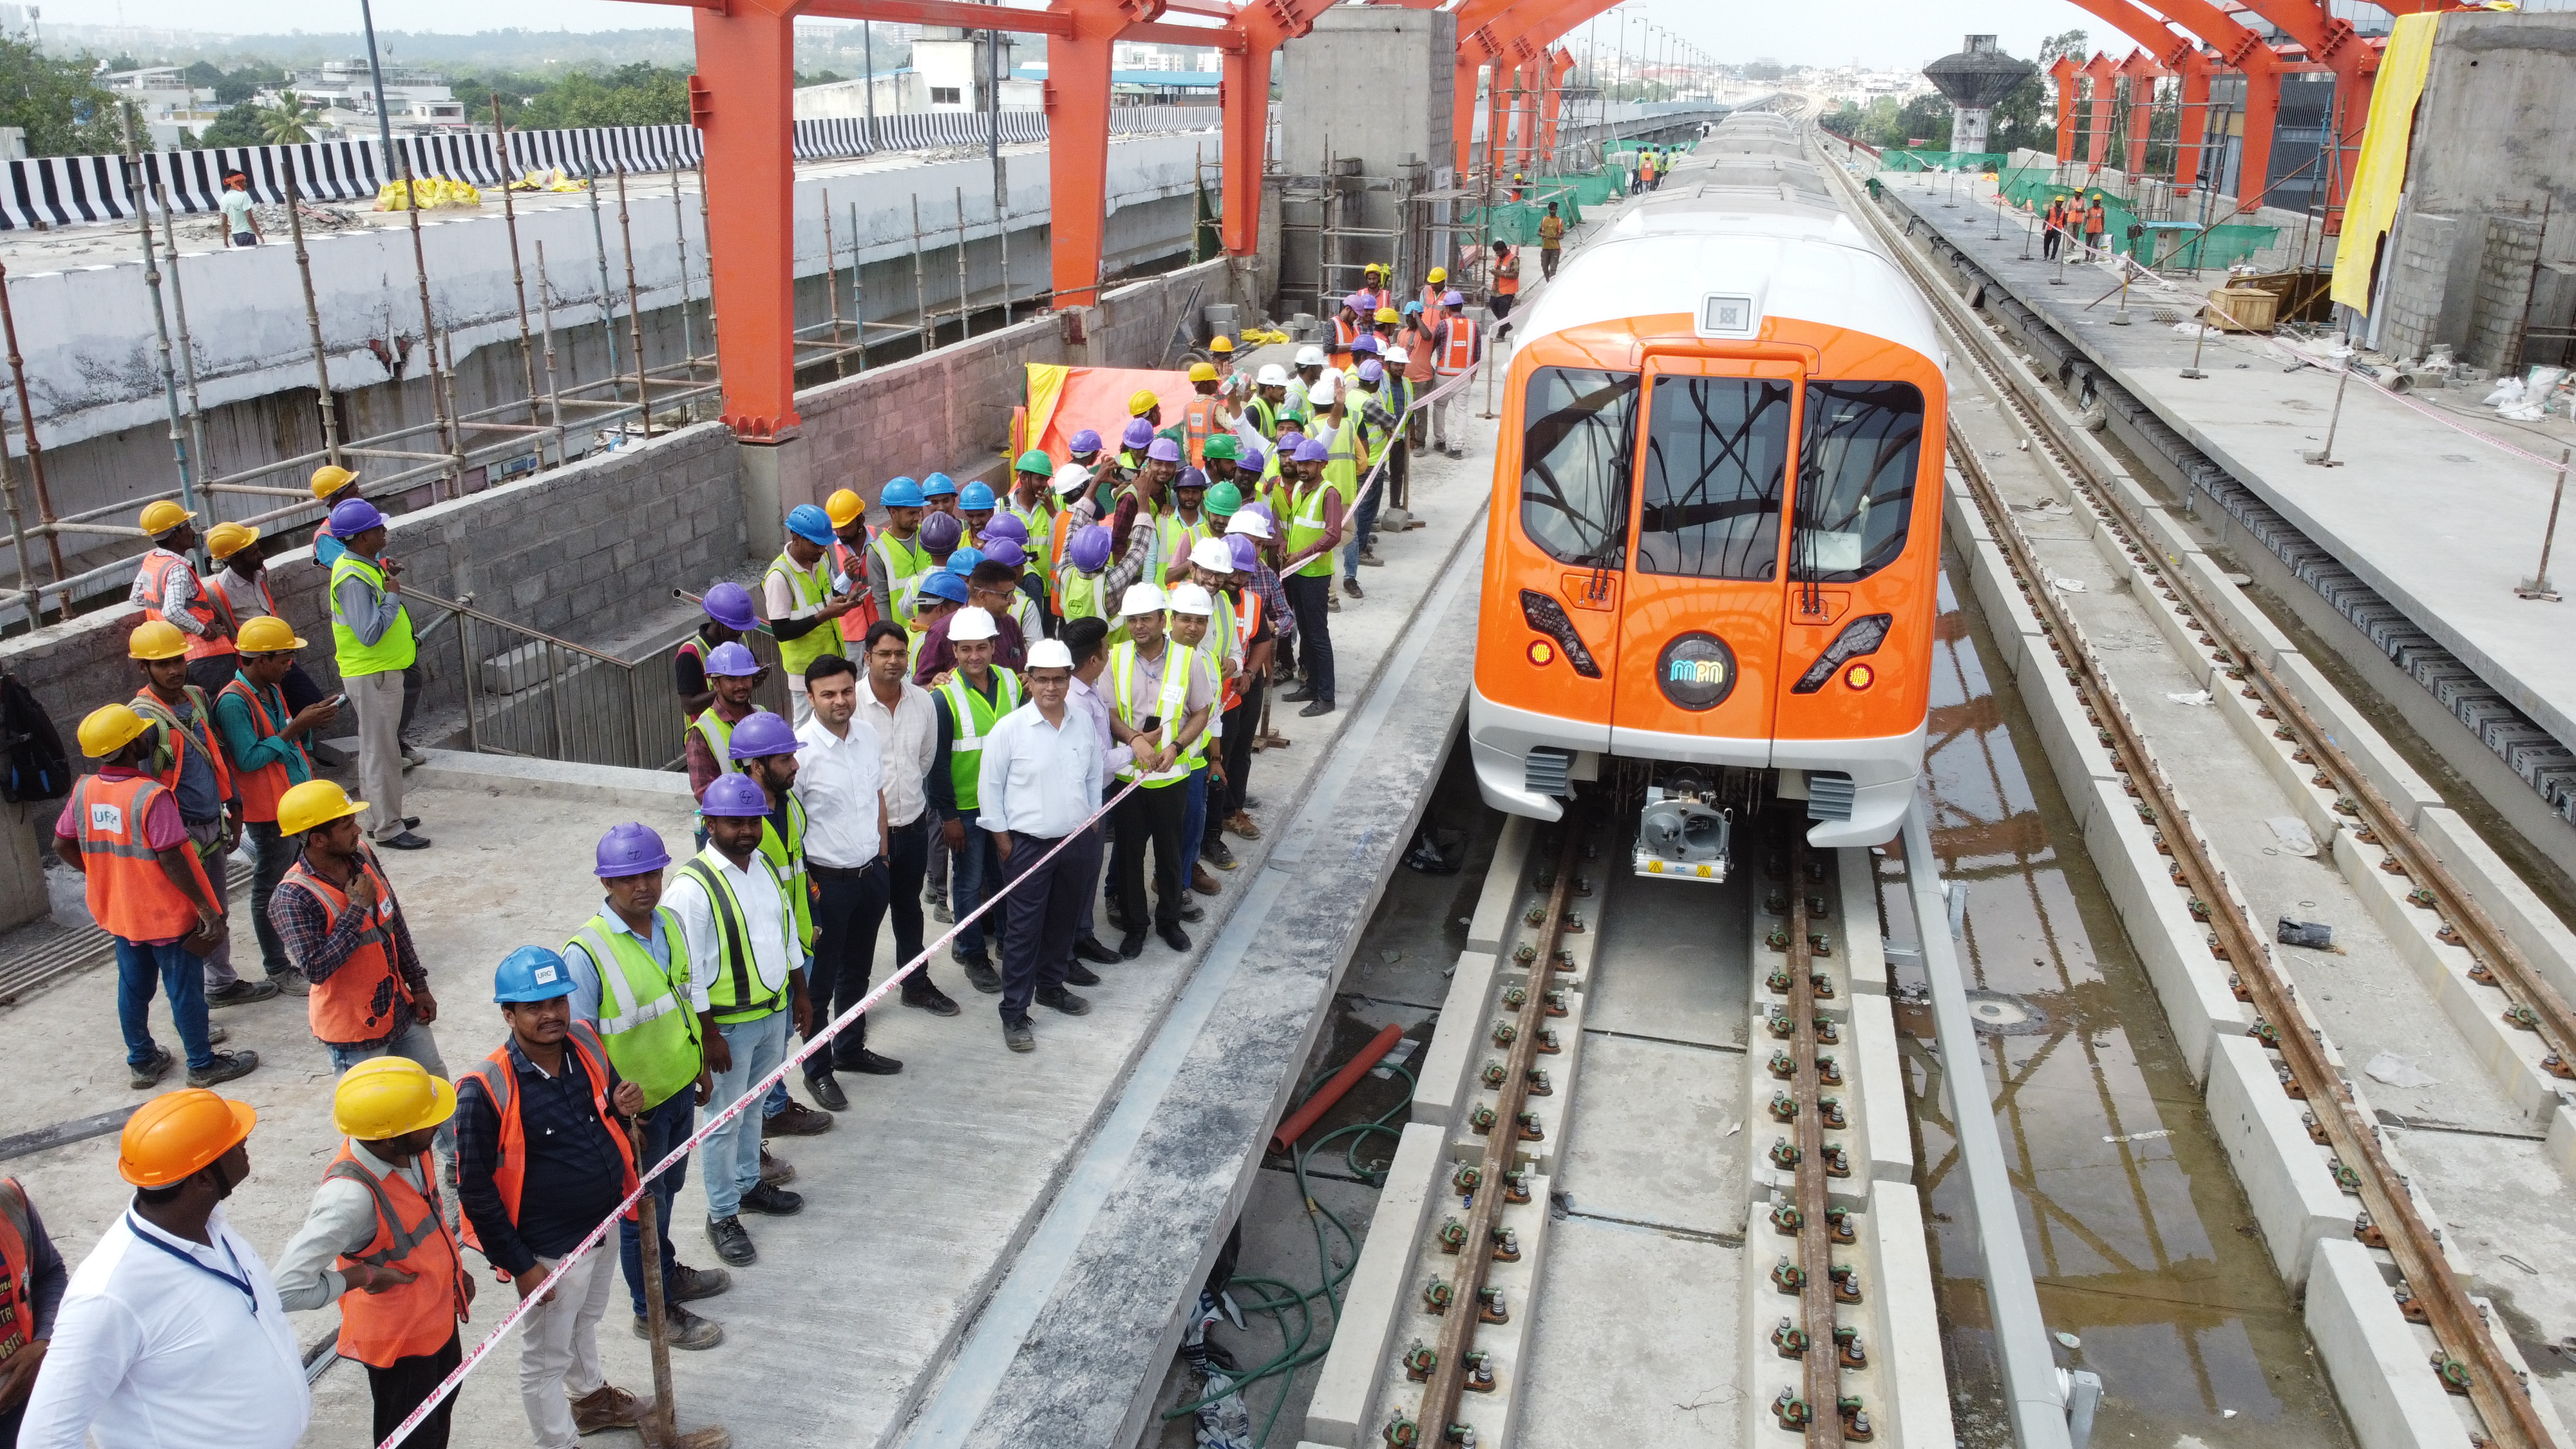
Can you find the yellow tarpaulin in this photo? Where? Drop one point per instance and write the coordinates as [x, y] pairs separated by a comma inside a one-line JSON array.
[[2379, 175]]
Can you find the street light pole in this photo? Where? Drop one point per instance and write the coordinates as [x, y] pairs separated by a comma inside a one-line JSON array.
[[376, 77]]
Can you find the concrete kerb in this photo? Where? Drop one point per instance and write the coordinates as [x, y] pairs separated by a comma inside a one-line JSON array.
[[554, 779], [2293, 1196], [2372, 1356], [2516, 910], [1440, 1087]]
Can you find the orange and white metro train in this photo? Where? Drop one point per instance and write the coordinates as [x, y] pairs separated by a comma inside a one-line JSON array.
[[1711, 564]]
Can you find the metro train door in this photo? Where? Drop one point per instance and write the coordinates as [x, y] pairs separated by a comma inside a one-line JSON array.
[[1699, 649], [1851, 578]]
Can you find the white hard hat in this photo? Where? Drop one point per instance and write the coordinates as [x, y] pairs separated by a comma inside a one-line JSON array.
[[1191, 599], [1324, 390], [1141, 599], [1050, 654], [1071, 478], [1273, 375], [1310, 357], [967, 626], [1250, 524], [1397, 356], [1213, 555]]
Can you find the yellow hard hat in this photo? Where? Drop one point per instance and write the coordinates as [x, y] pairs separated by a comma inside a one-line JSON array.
[[156, 639], [1388, 315], [315, 802], [1221, 344], [844, 507], [1373, 269], [389, 1096], [330, 478], [1202, 372], [1141, 402], [1439, 274], [178, 1134], [226, 539], [109, 728], [161, 515], [267, 634]]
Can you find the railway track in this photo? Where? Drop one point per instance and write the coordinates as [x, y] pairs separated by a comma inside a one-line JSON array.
[[2470, 1362]]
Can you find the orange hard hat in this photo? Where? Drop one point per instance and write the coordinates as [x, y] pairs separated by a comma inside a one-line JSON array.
[[180, 1133]]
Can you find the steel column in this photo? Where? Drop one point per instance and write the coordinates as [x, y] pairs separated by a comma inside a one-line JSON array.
[[1244, 98], [741, 101]]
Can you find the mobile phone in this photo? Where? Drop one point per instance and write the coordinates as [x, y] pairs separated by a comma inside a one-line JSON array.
[[1152, 723]]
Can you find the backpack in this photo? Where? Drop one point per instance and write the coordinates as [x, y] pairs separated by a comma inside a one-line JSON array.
[[37, 767]]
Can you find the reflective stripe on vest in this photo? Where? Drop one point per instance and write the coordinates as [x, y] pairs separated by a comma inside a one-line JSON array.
[[651, 1035], [17, 1270], [1178, 660], [128, 894], [1342, 460], [394, 650], [737, 994], [810, 588], [356, 1002], [907, 563], [1457, 352], [787, 860], [156, 567], [413, 1319], [178, 739], [1247, 622], [717, 731], [510, 1152], [971, 718], [261, 788], [1198, 423], [1307, 527], [854, 563]]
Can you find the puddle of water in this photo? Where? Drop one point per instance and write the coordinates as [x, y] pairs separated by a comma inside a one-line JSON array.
[[2142, 1243]]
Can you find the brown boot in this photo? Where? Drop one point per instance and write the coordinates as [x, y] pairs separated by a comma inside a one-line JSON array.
[[608, 1407], [1202, 882], [1240, 824]]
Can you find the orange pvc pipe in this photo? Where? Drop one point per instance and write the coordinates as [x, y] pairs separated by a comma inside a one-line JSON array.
[[1303, 1120]]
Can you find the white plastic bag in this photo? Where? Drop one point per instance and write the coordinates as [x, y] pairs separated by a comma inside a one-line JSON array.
[[2507, 392]]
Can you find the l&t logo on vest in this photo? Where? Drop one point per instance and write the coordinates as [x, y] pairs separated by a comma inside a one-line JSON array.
[[1696, 671]]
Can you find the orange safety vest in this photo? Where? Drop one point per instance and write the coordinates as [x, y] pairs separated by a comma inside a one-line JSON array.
[[128, 894], [1344, 334], [182, 739], [356, 1002], [1458, 353], [224, 605], [501, 1084], [1247, 622], [417, 1318], [2093, 220], [262, 788], [1508, 283], [156, 567], [854, 562], [1198, 424], [17, 1267]]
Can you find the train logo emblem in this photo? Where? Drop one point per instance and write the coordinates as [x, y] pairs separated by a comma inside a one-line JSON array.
[[1696, 671]]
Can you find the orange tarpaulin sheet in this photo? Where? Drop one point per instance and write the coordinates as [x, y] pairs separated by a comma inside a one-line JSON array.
[[1065, 400]]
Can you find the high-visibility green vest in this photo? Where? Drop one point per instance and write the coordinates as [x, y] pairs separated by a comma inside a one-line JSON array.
[[1079, 593], [1171, 703], [393, 651], [1342, 467], [1165, 538], [787, 857], [1039, 520], [906, 563], [971, 717], [810, 587], [737, 993], [644, 1016], [717, 731], [1265, 416], [1306, 528]]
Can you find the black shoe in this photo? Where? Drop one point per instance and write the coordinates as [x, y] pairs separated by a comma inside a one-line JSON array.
[[1080, 975], [773, 1202], [149, 1074], [1019, 1038], [1300, 692], [1175, 937], [241, 993], [1089, 949], [689, 1284], [1064, 1001], [826, 1092], [1131, 945], [1192, 912], [1321, 706], [798, 1120], [868, 1063], [1217, 853], [1352, 588], [732, 1241], [406, 841], [932, 1000], [983, 977], [682, 1329], [225, 1067]]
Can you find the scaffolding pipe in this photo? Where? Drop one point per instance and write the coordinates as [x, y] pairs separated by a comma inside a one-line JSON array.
[[447, 433], [965, 316], [160, 319], [832, 281], [680, 234], [187, 346], [607, 307], [313, 326], [920, 287], [634, 308], [858, 288], [518, 280]]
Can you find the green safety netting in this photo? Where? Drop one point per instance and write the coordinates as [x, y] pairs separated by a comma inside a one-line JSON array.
[[1582, 189], [2217, 247], [1894, 159]]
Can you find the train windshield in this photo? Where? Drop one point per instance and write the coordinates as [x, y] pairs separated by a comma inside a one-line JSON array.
[[1855, 479], [1717, 459], [1575, 463]]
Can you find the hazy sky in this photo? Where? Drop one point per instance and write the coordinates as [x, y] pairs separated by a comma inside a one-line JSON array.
[[1873, 32]]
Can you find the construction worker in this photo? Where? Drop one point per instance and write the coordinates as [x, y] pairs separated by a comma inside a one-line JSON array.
[[1314, 531], [1434, 283], [1014, 599], [976, 506], [1258, 625], [182, 755], [1395, 394], [1346, 331], [1456, 349], [1413, 343], [732, 674], [1194, 622], [1507, 284], [376, 1241], [1077, 580], [632, 984], [332, 485], [764, 748], [33, 1278], [1373, 429], [166, 587], [1224, 451], [849, 515], [1148, 506], [1190, 522], [239, 587], [939, 494], [1199, 418], [798, 596], [1162, 696], [897, 563], [746, 965], [729, 616], [1039, 781], [1311, 363], [1084, 451], [2052, 228], [148, 890], [976, 693], [171, 1331], [1372, 292], [543, 1157], [2095, 223], [1270, 393], [1032, 502], [267, 747], [371, 636], [1551, 242], [1520, 188]]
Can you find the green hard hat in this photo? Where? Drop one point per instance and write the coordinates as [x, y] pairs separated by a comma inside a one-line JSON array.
[[1222, 446], [1035, 460], [1223, 499]]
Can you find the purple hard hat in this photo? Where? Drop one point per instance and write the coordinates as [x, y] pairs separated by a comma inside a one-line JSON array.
[[1257, 506], [731, 660], [1004, 525], [729, 604], [1190, 478], [762, 733], [941, 531], [1372, 371], [1163, 450], [1452, 299], [353, 518], [1356, 300], [1085, 442], [630, 849], [1005, 551], [1243, 548], [1139, 433], [1089, 548], [736, 795], [1252, 461], [1313, 451], [1366, 343]]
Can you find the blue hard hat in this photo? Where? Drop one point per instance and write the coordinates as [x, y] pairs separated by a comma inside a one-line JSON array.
[[762, 733], [533, 973], [739, 796], [630, 849], [938, 485], [729, 604], [809, 522], [353, 518], [974, 497], [731, 660], [1085, 441], [963, 561], [901, 493], [945, 585]]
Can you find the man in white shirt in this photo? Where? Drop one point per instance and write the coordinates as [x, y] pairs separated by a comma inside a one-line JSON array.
[[907, 731], [172, 1335], [839, 776], [1088, 641], [744, 956], [1040, 783]]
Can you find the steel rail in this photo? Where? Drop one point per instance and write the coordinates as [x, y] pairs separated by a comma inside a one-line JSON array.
[[1822, 1358], [2495, 1389]]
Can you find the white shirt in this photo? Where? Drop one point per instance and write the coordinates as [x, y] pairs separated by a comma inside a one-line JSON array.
[[1039, 779], [1113, 755], [837, 776], [774, 951], [150, 1352], [907, 738]]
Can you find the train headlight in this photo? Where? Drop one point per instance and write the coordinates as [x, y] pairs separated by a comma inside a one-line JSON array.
[[1860, 676], [1546, 616], [1861, 636], [1541, 653]]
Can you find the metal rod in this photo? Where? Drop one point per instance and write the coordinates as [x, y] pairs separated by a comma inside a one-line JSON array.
[[323, 399], [445, 376], [160, 321], [2539, 587], [680, 235], [179, 313], [429, 323], [965, 316], [546, 319], [634, 307], [607, 307], [832, 280], [858, 288], [518, 280], [920, 288], [2324, 457]]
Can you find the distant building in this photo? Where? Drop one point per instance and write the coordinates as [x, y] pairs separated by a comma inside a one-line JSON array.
[[415, 100], [948, 74]]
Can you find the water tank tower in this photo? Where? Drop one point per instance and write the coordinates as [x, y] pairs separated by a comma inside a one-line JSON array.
[[1975, 80]]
